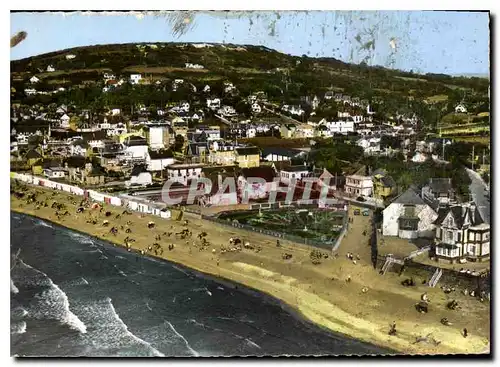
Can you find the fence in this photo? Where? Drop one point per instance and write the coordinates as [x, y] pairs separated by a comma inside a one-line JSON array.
[[314, 203], [418, 252]]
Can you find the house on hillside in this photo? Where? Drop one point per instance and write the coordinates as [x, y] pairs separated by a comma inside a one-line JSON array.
[[340, 127], [329, 95], [359, 185], [30, 92], [79, 147], [287, 131], [184, 173], [198, 151], [291, 174], [304, 131], [222, 153], [247, 157], [213, 103], [383, 185], [277, 154], [220, 176], [227, 111], [54, 172], [83, 172], [158, 160], [135, 148], [256, 108], [461, 234], [159, 136], [440, 189], [460, 108], [409, 216], [251, 190], [139, 176], [135, 78], [50, 69], [64, 121], [370, 145], [34, 160], [419, 157], [34, 80]]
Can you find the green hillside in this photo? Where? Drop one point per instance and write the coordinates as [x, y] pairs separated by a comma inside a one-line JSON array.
[[284, 78]]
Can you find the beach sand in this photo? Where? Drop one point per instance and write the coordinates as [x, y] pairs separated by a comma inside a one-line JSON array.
[[318, 292]]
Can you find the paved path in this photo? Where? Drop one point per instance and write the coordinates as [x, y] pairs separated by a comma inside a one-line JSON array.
[[478, 190]]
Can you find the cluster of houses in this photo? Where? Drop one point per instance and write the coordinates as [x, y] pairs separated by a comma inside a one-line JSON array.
[[456, 230], [137, 151]]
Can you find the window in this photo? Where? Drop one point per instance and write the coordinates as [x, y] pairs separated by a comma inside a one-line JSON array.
[[486, 236], [409, 210], [459, 237], [407, 224], [449, 236]]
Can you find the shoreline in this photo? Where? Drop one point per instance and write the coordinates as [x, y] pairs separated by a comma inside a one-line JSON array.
[[229, 284], [293, 290]]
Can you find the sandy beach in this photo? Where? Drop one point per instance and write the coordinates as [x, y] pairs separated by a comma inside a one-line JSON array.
[[319, 292]]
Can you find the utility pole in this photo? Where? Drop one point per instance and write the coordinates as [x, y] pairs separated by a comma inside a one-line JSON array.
[[442, 143], [473, 157]]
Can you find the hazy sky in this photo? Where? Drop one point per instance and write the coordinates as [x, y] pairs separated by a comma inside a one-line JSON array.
[[441, 42]]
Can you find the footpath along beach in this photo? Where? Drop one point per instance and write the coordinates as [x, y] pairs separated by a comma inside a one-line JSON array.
[[319, 292]]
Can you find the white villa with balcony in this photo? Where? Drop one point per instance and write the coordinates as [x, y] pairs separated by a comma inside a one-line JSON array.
[[461, 234]]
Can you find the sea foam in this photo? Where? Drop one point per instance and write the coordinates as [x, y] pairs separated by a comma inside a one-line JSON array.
[[18, 327], [13, 287], [195, 353], [123, 326], [53, 303]]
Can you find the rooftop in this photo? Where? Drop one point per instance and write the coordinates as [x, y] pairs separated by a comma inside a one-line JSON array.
[[409, 197], [298, 168], [248, 151]]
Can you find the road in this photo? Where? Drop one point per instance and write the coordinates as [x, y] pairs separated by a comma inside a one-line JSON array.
[[478, 190]]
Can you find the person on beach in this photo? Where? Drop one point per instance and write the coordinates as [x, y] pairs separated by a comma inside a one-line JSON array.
[[393, 331], [465, 332]]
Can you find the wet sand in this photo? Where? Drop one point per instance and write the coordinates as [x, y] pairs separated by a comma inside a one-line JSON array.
[[318, 292]]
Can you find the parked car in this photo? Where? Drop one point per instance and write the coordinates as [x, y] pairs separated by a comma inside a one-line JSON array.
[[360, 198], [357, 212]]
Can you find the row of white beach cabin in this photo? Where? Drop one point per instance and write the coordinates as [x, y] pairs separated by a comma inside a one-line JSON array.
[[123, 201]]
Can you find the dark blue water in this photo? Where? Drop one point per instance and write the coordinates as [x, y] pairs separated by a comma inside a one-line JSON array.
[[74, 295]]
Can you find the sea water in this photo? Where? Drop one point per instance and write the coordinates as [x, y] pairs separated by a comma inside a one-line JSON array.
[[74, 295]]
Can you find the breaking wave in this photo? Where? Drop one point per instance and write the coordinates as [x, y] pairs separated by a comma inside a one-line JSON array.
[[195, 353], [18, 327], [13, 287], [42, 223], [53, 303]]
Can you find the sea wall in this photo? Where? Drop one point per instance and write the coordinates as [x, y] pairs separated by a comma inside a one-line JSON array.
[[93, 195]]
